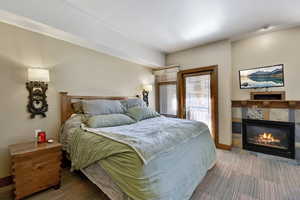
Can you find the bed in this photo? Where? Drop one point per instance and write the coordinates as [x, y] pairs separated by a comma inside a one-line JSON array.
[[158, 158]]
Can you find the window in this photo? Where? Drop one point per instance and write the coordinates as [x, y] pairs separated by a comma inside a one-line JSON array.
[[166, 90], [198, 98], [167, 101]]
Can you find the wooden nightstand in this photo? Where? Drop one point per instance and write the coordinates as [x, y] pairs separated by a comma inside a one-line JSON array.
[[35, 167]]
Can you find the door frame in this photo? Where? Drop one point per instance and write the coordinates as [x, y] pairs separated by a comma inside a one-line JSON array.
[[213, 70]]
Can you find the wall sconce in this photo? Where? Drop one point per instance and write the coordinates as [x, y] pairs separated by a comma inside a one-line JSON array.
[[145, 92], [37, 87]]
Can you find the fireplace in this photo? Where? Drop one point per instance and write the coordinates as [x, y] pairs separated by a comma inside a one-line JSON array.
[[270, 137]]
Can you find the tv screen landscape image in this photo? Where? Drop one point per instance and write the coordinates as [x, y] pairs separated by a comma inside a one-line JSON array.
[[263, 77]]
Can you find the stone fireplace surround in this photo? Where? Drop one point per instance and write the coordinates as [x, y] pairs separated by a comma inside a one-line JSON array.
[[281, 111]]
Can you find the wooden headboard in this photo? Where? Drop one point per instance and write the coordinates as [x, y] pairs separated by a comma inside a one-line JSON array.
[[66, 103]]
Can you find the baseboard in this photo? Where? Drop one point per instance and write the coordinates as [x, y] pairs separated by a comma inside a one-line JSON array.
[[5, 181], [224, 146]]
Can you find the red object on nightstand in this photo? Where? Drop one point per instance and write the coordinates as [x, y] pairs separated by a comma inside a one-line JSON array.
[[42, 137]]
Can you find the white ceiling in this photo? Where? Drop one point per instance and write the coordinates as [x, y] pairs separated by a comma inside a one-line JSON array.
[[143, 30]]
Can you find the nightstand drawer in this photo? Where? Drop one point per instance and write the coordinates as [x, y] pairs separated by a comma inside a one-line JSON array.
[[21, 166], [36, 158], [39, 178], [41, 154], [29, 172]]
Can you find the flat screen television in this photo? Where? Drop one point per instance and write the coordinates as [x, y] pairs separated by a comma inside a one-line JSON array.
[[262, 77]]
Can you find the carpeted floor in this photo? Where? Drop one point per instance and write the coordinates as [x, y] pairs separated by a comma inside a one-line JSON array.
[[237, 175], [250, 176]]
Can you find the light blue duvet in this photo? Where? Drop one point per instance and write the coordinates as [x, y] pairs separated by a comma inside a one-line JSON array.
[[174, 156]]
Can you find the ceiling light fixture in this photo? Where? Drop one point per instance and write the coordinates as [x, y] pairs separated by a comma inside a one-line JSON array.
[[266, 28]]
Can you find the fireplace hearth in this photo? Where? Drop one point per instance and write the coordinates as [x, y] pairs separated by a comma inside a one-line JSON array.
[[270, 137]]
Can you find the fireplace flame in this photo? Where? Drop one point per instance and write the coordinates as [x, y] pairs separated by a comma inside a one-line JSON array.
[[267, 138]]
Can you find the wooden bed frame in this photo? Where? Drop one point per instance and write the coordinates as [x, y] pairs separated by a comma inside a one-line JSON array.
[[66, 103]]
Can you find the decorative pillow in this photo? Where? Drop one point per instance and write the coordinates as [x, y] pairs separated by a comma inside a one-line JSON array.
[[129, 103], [77, 107], [102, 107], [141, 113], [99, 121]]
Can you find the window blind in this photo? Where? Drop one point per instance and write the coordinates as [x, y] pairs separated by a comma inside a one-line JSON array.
[[165, 75], [168, 99]]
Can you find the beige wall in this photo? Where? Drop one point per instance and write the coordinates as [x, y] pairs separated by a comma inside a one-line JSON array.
[[218, 53], [281, 47], [73, 69]]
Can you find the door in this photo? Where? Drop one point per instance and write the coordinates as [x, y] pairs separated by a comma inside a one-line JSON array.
[[198, 96]]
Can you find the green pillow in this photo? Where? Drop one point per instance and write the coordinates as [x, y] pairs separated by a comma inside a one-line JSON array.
[[140, 113], [136, 102], [99, 121]]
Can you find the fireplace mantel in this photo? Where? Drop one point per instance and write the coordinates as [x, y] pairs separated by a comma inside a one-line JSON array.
[[266, 104]]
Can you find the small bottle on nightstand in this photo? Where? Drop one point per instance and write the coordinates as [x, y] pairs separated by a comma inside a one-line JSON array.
[[36, 138]]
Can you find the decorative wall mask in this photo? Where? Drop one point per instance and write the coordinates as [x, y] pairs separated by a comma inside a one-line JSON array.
[[37, 87]]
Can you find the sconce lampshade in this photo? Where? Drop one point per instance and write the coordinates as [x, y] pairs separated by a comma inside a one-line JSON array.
[[37, 74], [148, 88]]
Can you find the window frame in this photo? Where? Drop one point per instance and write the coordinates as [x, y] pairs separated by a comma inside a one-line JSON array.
[[157, 86]]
